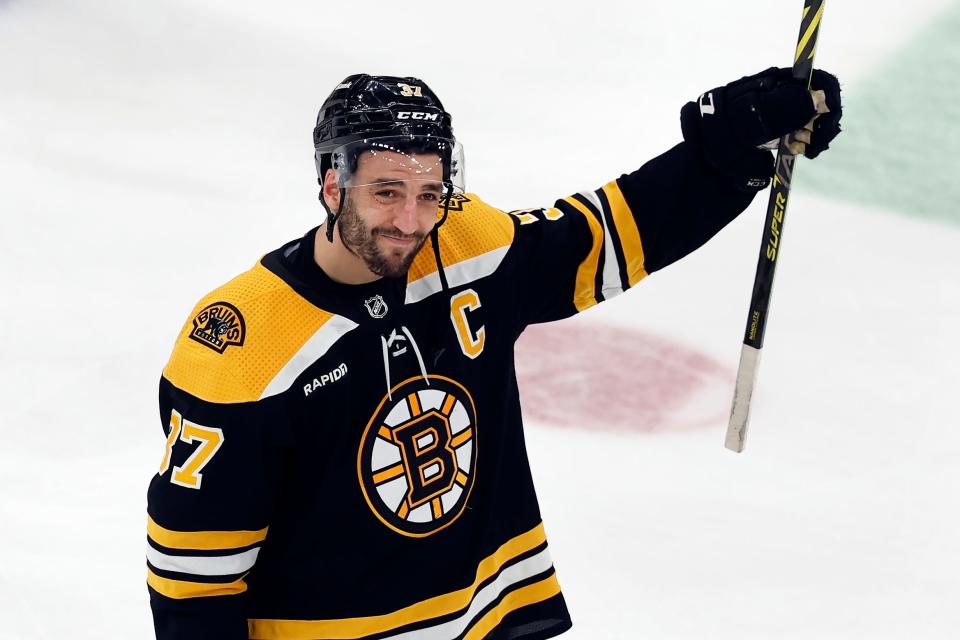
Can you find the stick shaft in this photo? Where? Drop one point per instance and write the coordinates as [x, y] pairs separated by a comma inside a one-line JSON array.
[[771, 242]]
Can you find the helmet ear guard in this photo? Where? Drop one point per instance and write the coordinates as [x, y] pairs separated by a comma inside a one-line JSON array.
[[323, 164]]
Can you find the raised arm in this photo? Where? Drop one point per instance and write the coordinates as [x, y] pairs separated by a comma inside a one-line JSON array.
[[593, 245]]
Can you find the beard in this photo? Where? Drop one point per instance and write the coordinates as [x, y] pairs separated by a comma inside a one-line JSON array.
[[361, 241]]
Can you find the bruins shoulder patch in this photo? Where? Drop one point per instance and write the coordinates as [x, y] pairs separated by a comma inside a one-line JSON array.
[[418, 455], [218, 326]]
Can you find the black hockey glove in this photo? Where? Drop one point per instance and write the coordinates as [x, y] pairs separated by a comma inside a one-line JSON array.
[[729, 123]]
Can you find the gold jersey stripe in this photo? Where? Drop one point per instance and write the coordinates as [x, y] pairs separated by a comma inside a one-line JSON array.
[[424, 610], [584, 295], [626, 226], [242, 372], [203, 540], [181, 589], [522, 597]]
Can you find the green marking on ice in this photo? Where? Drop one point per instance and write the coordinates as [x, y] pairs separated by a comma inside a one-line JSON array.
[[901, 131]]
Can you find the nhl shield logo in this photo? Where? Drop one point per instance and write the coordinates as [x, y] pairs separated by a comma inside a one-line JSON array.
[[376, 306], [218, 326], [418, 456]]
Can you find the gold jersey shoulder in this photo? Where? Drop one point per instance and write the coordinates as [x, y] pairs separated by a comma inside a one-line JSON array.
[[474, 231], [240, 336]]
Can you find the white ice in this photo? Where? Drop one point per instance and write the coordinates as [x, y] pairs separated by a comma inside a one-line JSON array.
[[150, 151]]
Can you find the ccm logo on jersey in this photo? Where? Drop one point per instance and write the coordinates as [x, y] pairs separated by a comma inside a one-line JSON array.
[[417, 115], [326, 378]]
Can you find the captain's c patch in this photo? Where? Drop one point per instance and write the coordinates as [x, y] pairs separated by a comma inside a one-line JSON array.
[[418, 455], [218, 326]]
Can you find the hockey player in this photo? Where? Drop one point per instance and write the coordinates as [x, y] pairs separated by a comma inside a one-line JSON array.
[[344, 453]]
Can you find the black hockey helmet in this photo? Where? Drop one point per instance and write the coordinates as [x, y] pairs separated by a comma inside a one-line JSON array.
[[383, 113]]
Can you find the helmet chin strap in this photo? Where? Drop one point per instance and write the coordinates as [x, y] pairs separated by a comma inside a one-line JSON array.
[[435, 239]]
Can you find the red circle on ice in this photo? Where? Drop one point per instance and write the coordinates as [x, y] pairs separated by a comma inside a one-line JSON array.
[[614, 379]]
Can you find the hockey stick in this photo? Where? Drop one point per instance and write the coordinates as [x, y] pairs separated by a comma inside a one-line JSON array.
[[770, 246]]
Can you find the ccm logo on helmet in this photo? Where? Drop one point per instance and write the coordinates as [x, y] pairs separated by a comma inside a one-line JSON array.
[[417, 115]]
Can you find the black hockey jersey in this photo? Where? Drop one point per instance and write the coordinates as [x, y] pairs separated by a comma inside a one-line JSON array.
[[349, 462]]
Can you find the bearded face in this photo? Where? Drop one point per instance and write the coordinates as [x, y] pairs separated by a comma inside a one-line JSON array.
[[387, 205], [386, 250]]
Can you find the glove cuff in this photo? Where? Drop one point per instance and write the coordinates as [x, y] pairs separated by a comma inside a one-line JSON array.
[[748, 169]]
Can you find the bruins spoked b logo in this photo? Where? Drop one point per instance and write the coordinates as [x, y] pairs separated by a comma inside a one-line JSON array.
[[418, 456]]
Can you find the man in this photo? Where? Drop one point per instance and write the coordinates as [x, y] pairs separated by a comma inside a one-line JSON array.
[[344, 453]]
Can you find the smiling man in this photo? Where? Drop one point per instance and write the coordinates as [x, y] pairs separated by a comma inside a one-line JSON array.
[[400, 194], [344, 451]]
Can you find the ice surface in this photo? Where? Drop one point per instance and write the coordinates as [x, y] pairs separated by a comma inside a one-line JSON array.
[[150, 151]]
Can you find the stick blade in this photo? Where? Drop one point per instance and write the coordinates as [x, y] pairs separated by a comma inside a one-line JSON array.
[[740, 411]]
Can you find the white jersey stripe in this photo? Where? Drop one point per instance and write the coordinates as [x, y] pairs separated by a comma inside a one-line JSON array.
[[611, 270], [510, 576], [457, 274], [315, 346], [204, 565]]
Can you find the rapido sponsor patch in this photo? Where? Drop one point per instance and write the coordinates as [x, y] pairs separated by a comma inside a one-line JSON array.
[[325, 379]]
